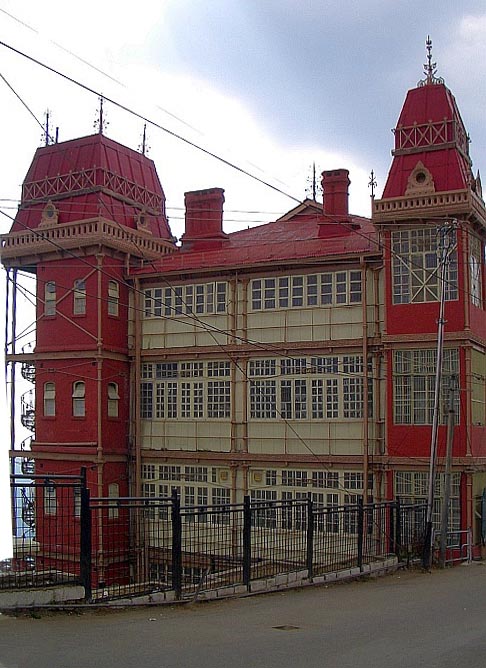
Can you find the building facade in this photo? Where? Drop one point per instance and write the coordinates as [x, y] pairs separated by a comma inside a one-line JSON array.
[[294, 358]]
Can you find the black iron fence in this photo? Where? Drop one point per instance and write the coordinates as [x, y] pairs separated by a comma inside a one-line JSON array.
[[122, 547], [50, 520]]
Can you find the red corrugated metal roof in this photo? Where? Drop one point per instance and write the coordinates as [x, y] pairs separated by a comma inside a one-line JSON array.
[[281, 241], [431, 119], [93, 176]]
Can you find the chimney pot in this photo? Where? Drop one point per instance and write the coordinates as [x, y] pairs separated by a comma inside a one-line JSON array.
[[204, 217], [335, 184]]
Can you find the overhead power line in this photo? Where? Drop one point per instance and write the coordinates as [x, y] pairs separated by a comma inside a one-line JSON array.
[[124, 107]]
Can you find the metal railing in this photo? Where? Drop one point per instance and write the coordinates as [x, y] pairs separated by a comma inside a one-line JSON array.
[[49, 519], [124, 547]]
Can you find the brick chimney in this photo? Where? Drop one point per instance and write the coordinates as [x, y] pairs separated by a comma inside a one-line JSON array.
[[335, 183], [204, 219]]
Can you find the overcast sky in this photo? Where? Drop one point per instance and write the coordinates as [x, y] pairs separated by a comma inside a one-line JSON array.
[[269, 85]]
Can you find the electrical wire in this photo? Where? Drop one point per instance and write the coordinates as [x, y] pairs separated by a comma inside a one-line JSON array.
[[93, 91], [140, 116]]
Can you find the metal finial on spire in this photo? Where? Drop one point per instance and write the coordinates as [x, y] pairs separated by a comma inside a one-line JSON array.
[[372, 184], [430, 68], [47, 138], [100, 123], [144, 148], [312, 186]]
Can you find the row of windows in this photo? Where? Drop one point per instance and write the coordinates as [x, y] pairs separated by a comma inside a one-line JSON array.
[[335, 397], [412, 487], [416, 277], [186, 369], [203, 299], [475, 273], [172, 400], [414, 385], [296, 399], [328, 289], [51, 500], [294, 517], [78, 396], [331, 288], [176, 473], [205, 505], [349, 480], [79, 298]]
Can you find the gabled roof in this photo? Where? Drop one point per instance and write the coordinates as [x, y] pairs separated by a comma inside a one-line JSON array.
[[303, 234]]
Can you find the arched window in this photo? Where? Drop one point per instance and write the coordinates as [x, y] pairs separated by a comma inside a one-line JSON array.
[[49, 399], [50, 298], [79, 297], [79, 392], [113, 297], [113, 399]]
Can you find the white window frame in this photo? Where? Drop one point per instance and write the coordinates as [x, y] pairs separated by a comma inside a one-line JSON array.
[[113, 298], [79, 398], [79, 297], [49, 399], [113, 400], [50, 307]]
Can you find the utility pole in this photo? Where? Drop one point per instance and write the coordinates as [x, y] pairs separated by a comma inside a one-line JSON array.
[[447, 477], [446, 245]]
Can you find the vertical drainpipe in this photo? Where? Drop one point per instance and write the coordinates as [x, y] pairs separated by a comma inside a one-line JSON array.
[[137, 491], [365, 379], [234, 362], [12, 363], [12, 385], [244, 333], [99, 436], [467, 282], [379, 421]]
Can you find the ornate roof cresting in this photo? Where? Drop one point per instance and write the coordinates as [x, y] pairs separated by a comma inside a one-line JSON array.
[[430, 68]]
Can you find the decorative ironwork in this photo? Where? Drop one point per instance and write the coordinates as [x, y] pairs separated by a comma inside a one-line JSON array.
[[430, 68], [372, 184], [27, 410], [100, 123], [95, 179], [430, 134]]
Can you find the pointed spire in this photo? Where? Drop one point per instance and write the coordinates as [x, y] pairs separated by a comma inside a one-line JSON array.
[[430, 68]]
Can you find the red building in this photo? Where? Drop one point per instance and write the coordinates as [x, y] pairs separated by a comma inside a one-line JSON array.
[[294, 357]]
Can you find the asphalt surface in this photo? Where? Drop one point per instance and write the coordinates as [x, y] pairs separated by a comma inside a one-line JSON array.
[[405, 620]]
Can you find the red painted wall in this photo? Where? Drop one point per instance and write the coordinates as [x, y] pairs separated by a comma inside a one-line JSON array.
[[68, 331]]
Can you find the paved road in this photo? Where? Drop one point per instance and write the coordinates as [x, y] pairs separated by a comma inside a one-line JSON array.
[[406, 620]]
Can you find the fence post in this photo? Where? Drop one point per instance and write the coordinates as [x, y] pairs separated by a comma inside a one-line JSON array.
[[391, 527], [176, 545], [398, 529], [85, 537], [246, 542], [310, 537], [360, 532]]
